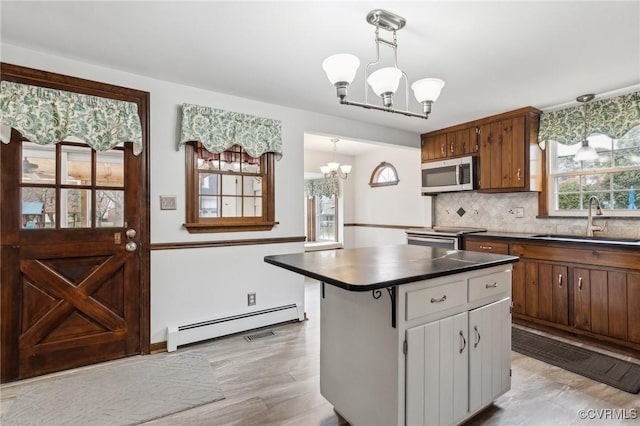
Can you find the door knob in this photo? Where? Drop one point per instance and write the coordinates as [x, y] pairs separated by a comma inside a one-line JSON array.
[[131, 246], [131, 233]]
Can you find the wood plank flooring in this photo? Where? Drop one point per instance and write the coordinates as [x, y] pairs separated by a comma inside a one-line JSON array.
[[275, 381]]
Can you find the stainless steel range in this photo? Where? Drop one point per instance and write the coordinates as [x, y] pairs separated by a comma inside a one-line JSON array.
[[439, 236]]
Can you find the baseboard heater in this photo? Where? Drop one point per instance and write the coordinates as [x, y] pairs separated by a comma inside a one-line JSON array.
[[203, 330]]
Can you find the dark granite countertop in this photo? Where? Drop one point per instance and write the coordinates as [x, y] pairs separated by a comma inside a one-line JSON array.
[[573, 239], [370, 268]]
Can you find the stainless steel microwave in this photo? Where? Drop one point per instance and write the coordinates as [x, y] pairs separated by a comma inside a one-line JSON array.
[[456, 174]]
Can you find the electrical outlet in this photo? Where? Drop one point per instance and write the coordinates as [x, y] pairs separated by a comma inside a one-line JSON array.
[[251, 299], [520, 212]]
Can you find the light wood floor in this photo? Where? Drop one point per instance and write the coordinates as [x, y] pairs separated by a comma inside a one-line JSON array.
[[275, 381]]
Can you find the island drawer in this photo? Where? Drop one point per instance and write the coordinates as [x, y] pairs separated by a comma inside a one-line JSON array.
[[489, 285], [435, 299]]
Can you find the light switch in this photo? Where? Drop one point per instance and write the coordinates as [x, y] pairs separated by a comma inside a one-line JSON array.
[[167, 202], [519, 211]]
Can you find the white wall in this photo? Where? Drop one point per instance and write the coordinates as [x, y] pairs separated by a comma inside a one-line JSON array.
[[401, 204], [191, 284]]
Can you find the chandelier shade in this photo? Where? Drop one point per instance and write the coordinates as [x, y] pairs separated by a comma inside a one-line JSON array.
[[586, 152], [427, 89], [341, 67], [341, 70], [385, 80]]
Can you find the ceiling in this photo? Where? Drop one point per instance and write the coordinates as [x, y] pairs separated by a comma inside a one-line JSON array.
[[493, 56]]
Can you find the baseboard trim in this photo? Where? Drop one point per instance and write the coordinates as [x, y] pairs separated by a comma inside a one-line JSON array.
[[158, 347]]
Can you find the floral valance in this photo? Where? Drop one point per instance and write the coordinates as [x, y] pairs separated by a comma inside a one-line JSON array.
[[321, 187], [218, 130], [46, 116], [613, 117]]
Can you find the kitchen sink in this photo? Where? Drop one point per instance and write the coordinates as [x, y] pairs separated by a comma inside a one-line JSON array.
[[585, 238]]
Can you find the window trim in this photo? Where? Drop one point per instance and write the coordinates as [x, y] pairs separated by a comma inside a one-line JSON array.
[[376, 173], [195, 224]]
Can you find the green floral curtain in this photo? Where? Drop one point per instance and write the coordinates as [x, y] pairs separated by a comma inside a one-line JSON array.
[[322, 187], [45, 116], [218, 130], [613, 117]]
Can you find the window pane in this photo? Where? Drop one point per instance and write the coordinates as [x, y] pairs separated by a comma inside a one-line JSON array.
[[75, 208], [564, 158], [110, 168], [75, 166], [231, 185], [627, 149], [603, 197], [627, 183], [231, 206], [109, 209], [596, 182], [209, 207], [325, 220], [38, 163], [568, 201], [250, 206], [38, 208], [209, 184]]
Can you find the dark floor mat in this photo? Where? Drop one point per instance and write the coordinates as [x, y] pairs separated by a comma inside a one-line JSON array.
[[614, 372]]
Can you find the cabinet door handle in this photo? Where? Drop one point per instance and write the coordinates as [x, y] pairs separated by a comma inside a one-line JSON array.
[[451, 147], [560, 280], [579, 283], [475, 328], [463, 342], [442, 299], [518, 174], [442, 149], [486, 247], [494, 285]]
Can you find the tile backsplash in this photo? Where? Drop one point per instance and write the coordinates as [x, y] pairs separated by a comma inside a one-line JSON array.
[[497, 212]]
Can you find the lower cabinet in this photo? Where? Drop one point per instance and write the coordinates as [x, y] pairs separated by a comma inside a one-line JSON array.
[[589, 290], [431, 352], [458, 365]]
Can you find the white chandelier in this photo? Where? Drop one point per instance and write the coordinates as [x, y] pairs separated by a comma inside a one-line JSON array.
[[334, 169], [341, 70]]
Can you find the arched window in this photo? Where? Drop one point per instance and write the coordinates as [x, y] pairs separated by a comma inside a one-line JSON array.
[[384, 175]]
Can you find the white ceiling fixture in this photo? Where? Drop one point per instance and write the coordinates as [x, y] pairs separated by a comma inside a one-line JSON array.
[[586, 152], [334, 169], [341, 70]]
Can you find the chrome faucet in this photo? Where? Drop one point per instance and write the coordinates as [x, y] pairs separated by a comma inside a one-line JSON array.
[[590, 226]]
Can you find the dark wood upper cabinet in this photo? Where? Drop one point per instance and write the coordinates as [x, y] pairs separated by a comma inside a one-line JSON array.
[[506, 145]]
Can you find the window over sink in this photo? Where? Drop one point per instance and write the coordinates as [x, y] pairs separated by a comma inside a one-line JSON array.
[[614, 177]]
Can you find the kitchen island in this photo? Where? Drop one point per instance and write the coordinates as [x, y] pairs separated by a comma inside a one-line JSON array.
[[410, 335]]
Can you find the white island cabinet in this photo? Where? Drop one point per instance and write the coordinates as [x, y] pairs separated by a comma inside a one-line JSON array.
[[410, 335], [448, 357]]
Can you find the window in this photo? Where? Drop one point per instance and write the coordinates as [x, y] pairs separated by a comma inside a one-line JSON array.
[[70, 185], [228, 191], [384, 175], [322, 218], [614, 177]]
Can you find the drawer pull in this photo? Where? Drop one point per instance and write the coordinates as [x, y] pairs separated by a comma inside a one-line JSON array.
[[475, 328], [442, 299], [463, 342], [560, 280], [486, 247], [580, 283], [494, 285]]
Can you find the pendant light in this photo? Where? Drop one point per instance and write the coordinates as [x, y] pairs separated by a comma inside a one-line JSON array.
[[586, 152], [341, 70], [334, 169]]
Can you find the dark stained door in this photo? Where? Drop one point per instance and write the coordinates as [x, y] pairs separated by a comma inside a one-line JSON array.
[[73, 272]]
